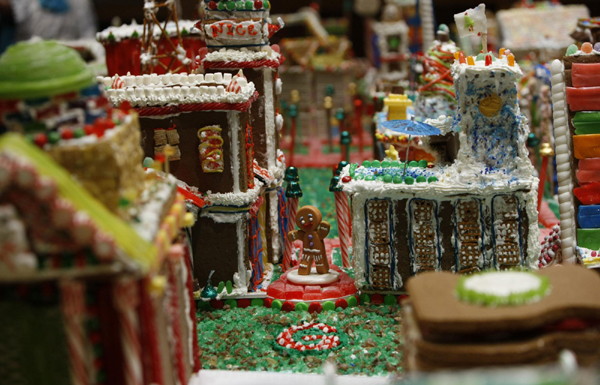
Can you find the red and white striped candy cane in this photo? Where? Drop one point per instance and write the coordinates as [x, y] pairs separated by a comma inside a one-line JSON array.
[[73, 309], [343, 217], [292, 208], [126, 300]]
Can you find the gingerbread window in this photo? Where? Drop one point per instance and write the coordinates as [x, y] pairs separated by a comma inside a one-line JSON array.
[[169, 136], [211, 149]]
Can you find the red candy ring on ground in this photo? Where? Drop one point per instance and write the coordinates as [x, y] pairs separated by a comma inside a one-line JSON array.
[[310, 342]]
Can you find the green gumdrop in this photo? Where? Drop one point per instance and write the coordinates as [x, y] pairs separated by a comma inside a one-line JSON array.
[[257, 302], [364, 298], [79, 133], [376, 164], [220, 287], [413, 163], [329, 305], [221, 5], [53, 137], [366, 163], [423, 163], [202, 305], [301, 306], [239, 5], [276, 304], [379, 178], [481, 56], [231, 302], [352, 301], [395, 163], [443, 28], [432, 179], [148, 162], [360, 177], [230, 5], [370, 177], [389, 300], [385, 164], [571, 50], [397, 179], [229, 287], [421, 179], [409, 180], [387, 178]]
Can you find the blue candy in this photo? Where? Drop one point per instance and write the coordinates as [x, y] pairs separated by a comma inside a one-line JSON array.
[[589, 217]]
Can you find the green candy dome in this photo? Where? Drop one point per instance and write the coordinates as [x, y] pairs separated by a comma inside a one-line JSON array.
[[36, 69]]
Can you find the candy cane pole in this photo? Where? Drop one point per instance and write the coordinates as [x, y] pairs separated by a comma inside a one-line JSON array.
[[126, 301], [342, 211], [292, 193], [546, 152], [293, 116], [73, 308]]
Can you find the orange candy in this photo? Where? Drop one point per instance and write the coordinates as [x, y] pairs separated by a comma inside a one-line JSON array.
[[511, 60], [586, 146], [501, 52], [470, 60], [587, 47]]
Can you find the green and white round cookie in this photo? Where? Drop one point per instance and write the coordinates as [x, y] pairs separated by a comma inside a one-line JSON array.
[[503, 288]]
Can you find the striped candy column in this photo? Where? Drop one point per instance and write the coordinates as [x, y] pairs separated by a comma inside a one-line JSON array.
[[292, 208], [292, 193], [342, 210], [177, 337], [126, 302], [73, 309]]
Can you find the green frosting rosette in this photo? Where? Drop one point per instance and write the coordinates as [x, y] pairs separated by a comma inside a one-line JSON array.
[[503, 288], [37, 69]]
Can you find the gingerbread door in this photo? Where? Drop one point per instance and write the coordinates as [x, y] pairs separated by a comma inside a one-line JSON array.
[[423, 236], [468, 236], [380, 253], [506, 229]]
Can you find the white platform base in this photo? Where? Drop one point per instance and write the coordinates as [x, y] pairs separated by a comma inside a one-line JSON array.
[[313, 278], [226, 377]]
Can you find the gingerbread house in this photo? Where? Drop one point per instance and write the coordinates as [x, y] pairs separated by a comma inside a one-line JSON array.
[[206, 122], [95, 298], [476, 213], [123, 45], [231, 53], [576, 116]]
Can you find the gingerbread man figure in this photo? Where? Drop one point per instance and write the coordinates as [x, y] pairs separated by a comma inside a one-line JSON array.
[[312, 232]]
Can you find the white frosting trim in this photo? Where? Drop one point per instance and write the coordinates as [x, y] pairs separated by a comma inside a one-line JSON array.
[[233, 120], [242, 55], [270, 118], [126, 30], [235, 199], [563, 163], [503, 283]]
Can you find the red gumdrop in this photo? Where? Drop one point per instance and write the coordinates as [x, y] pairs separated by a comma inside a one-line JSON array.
[[216, 304], [346, 179], [258, 4], [377, 299], [315, 307], [547, 258], [288, 306], [401, 297], [67, 134], [89, 129], [243, 303], [212, 5], [594, 253], [488, 59], [461, 58], [341, 303], [555, 247], [40, 139], [267, 302], [276, 48]]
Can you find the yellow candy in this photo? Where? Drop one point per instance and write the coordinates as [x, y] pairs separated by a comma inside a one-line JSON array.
[[490, 106], [188, 220], [158, 284], [511, 60], [470, 60], [456, 55]]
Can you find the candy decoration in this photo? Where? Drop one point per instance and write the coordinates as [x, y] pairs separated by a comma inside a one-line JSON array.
[[292, 193], [502, 288], [461, 58], [117, 83], [73, 310], [342, 210], [511, 60], [325, 338], [470, 60], [488, 59], [211, 149], [126, 302], [587, 47]]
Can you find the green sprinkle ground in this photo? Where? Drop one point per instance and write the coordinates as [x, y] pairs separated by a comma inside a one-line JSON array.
[[242, 339]]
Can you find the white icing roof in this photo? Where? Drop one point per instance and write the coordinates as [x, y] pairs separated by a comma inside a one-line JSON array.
[[126, 30], [242, 55], [500, 64], [160, 90]]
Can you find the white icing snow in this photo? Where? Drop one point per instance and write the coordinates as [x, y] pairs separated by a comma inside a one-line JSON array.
[[126, 30], [242, 55], [235, 199], [503, 283]]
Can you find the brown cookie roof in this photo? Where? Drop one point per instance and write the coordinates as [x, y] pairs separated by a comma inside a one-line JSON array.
[[575, 293]]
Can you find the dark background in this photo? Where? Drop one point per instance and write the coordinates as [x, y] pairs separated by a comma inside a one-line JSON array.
[[444, 10]]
